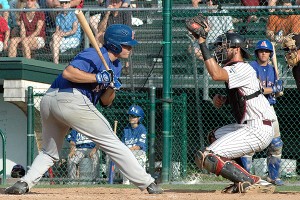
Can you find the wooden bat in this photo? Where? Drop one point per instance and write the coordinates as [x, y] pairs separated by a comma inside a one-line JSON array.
[[111, 164], [275, 64], [88, 31]]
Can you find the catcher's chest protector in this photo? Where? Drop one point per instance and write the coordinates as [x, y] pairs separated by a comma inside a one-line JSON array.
[[237, 102]]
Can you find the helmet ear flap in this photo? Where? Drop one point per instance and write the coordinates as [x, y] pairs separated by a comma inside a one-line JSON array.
[[115, 48]]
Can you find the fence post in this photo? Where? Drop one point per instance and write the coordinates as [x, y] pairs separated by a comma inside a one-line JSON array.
[[3, 171], [183, 165], [167, 95], [30, 126], [152, 132]]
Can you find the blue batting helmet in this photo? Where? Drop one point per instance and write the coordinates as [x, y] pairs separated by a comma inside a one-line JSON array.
[[136, 111], [116, 35], [264, 44]]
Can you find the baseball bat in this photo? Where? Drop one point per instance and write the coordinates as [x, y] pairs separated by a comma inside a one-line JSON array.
[[88, 31], [275, 64], [111, 163]]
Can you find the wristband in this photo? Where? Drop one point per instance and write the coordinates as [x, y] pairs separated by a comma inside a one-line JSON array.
[[205, 52]]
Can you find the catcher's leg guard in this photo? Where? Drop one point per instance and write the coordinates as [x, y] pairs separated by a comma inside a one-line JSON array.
[[228, 169]]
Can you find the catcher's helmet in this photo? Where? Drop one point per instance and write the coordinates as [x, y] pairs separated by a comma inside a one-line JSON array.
[[17, 171], [229, 40], [136, 111], [116, 35], [264, 44]]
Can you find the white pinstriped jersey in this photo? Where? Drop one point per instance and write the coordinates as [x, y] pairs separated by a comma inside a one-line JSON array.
[[243, 76], [236, 140]]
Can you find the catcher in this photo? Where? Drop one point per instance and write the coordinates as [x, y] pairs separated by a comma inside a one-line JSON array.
[[253, 131], [291, 45]]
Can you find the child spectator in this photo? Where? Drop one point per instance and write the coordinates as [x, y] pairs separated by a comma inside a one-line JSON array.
[[4, 33], [32, 31], [68, 32], [135, 136]]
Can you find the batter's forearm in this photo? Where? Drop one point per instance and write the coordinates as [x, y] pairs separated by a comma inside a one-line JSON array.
[[108, 96], [78, 76]]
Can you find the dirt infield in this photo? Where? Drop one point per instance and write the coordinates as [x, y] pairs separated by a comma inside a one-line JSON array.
[[135, 194]]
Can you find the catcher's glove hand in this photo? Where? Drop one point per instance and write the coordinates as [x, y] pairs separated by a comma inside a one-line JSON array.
[[197, 26]]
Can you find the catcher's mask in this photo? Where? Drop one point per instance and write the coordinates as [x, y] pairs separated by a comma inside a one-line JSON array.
[[229, 40], [17, 171], [291, 45]]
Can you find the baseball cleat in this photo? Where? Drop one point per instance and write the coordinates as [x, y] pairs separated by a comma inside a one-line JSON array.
[[154, 189], [277, 182], [20, 187]]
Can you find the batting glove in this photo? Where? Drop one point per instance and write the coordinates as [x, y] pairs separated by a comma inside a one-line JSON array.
[[117, 84], [278, 86], [105, 76]]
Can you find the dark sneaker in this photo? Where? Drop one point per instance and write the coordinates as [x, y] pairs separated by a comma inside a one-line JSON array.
[[19, 187], [277, 182], [154, 189]]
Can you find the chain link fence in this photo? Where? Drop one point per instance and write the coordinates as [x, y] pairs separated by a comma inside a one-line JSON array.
[[193, 114]]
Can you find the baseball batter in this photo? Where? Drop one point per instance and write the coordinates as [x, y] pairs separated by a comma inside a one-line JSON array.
[[70, 102], [272, 86], [253, 131]]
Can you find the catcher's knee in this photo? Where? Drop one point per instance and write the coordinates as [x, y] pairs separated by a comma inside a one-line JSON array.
[[209, 161], [275, 147]]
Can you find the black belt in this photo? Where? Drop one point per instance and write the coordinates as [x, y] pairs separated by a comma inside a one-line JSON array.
[[265, 122], [68, 90]]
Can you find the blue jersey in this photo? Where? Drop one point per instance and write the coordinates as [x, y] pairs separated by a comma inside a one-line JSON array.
[[80, 140], [267, 77], [135, 136], [89, 61]]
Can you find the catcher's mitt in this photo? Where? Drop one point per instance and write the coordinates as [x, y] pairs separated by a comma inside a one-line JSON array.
[[288, 42], [289, 45], [197, 26]]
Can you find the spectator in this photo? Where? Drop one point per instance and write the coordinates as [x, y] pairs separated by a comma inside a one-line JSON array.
[[279, 26], [4, 33], [15, 16], [5, 6], [56, 4], [95, 19], [135, 136], [218, 25], [67, 34], [32, 33], [82, 147], [254, 3], [112, 17]]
